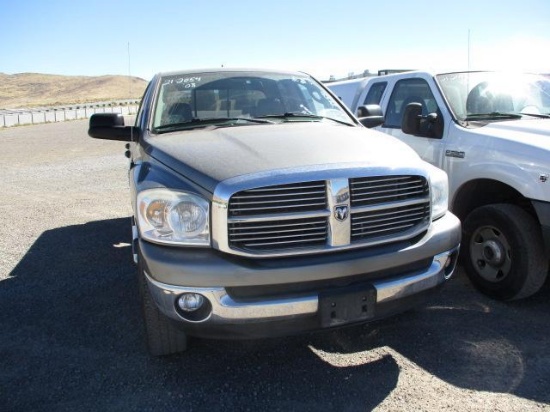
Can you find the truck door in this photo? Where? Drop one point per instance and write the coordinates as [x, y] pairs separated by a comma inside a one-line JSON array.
[[407, 91]]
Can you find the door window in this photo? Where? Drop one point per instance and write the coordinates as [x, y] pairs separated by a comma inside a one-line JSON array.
[[409, 91], [374, 95]]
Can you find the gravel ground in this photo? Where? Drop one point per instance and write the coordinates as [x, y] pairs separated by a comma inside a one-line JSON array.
[[71, 336]]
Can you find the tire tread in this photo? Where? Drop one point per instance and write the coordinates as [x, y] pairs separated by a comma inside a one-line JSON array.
[[163, 337]]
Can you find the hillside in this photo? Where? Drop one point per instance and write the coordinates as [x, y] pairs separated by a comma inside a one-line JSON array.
[[35, 90]]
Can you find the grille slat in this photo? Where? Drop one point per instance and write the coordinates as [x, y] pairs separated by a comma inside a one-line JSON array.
[[380, 223], [401, 215], [418, 189], [386, 230], [280, 232], [281, 238], [371, 197], [373, 187], [272, 199], [384, 222], [268, 209], [320, 186], [276, 226], [282, 244], [251, 196]]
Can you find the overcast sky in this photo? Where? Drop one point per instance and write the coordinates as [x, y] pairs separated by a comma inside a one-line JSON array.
[[324, 38]]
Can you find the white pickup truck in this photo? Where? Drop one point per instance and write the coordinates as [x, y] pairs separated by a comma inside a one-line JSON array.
[[491, 133]]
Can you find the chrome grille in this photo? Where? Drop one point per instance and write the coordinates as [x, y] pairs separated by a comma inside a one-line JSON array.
[[310, 216]]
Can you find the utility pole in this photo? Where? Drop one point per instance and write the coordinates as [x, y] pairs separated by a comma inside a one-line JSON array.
[[468, 49], [129, 74]]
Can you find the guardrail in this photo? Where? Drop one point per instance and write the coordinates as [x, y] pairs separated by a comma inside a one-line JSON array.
[[20, 117]]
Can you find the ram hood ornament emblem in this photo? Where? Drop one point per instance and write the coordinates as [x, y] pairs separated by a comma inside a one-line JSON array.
[[341, 212]]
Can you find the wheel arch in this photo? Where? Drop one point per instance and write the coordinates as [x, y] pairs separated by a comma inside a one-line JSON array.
[[481, 192]]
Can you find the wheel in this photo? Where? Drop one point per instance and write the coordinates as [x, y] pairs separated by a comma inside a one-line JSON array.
[[163, 337], [503, 253]]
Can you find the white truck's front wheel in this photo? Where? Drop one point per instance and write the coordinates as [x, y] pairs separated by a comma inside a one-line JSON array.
[[502, 252]]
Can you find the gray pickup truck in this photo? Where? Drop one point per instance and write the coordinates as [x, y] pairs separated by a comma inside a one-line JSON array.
[[263, 207]]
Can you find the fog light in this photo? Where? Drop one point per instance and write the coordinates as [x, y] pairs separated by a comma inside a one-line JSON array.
[[193, 307], [450, 264], [190, 302]]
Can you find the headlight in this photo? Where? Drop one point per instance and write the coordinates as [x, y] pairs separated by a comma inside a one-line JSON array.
[[439, 189], [177, 218]]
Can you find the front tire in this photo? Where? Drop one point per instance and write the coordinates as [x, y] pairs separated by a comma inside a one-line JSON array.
[[163, 337], [503, 253]]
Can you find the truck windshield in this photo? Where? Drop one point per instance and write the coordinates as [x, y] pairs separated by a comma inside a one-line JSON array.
[[495, 96], [192, 100]]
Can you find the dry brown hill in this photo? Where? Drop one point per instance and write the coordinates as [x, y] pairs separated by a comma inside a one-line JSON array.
[[34, 90]]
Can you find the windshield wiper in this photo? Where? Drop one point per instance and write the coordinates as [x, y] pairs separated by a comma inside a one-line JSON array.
[[307, 116], [540, 115], [289, 114], [492, 116], [246, 119], [194, 123]]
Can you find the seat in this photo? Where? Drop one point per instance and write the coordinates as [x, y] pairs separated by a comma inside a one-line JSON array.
[[178, 113], [205, 101], [479, 100], [504, 103], [413, 99], [269, 106]]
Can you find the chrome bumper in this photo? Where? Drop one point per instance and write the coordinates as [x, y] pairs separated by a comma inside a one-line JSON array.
[[226, 310]]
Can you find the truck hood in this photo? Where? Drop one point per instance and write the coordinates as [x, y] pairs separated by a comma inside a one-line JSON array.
[[209, 156], [533, 132]]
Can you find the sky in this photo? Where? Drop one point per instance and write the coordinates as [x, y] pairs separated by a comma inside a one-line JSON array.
[[323, 38]]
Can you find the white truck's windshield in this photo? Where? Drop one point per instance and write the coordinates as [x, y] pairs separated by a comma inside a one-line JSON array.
[[199, 99], [494, 96]]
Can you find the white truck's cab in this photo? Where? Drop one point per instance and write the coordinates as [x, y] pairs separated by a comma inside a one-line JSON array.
[[491, 133]]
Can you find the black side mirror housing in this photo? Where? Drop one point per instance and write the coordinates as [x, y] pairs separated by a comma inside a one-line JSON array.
[[410, 123], [370, 115], [414, 123], [110, 126]]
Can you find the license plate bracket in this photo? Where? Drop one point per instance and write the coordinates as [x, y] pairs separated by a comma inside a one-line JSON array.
[[347, 305]]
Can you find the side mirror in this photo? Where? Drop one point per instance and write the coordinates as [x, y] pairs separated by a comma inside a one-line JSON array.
[[414, 123], [410, 123], [370, 115], [110, 126]]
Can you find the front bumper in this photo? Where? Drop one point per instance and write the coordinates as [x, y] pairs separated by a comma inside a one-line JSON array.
[[214, 276], [227, 310]]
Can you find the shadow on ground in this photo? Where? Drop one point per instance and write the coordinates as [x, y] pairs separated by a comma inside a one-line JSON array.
[[71, 338]]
